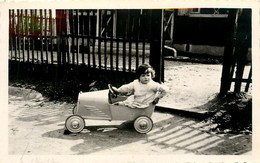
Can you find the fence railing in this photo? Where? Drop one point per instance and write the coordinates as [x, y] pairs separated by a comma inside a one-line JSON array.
[[91, 37]]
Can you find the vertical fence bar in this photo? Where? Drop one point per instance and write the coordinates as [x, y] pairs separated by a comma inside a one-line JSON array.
[[162, 45], [248, 79], [117, 40], [143, 55], [27, 34], [32, 34], [124, 53], [129, 31], [82, 45], [45, 35], [117, 54], [18, 33], [232, 70], [111, 40], [14, 35], [10, 34], [94, 44], [18, 42], [124, 48], [77, 34], [105, 38], [58, 24], [99, 36], [242, 45], [143, 33], [41, 24], [22, 33], [58, 36], [58, 40], [228, 53], [63, 34], [72, 35], [137, 40], [51, 34], [64, 37], [239, 75], [156, 57], [88, 35], [136, 54], [68, 36], [36, 34], [150, 33]]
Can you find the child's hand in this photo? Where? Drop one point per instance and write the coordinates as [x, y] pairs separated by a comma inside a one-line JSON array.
[[113, 89], [155, 101]]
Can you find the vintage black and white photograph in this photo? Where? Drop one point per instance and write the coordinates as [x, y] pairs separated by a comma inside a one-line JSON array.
[[163, 81]]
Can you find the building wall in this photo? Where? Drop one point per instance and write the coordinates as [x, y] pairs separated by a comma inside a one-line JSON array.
[[217, 51]]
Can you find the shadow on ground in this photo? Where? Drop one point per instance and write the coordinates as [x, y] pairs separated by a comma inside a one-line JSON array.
[[174, 135], [98, 138]]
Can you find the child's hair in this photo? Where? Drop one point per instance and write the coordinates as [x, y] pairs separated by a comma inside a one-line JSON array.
[[144, 69]]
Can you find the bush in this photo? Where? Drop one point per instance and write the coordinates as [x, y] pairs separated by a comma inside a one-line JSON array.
[[233, 114]]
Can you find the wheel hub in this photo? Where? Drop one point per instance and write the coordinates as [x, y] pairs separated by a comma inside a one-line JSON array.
[[75, 124], [143, 124]]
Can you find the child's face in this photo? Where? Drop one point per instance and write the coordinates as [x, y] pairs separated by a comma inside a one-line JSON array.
[[145, 78]]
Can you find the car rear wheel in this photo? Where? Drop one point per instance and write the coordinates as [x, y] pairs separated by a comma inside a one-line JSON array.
[[75, 123], [143, 124]]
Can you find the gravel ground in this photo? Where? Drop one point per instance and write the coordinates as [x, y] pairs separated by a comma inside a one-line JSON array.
[[36, 127], [192, 85]]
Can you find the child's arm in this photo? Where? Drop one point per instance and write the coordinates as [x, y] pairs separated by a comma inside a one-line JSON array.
[[127, 88], [161, 92]]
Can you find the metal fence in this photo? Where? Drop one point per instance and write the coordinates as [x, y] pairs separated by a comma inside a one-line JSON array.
[[101, 39]]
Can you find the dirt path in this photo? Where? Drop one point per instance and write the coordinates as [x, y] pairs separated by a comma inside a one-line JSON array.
[[36, 127], [193, 84]]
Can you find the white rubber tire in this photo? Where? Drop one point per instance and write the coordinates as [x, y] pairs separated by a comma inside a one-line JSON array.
[[143, 124]]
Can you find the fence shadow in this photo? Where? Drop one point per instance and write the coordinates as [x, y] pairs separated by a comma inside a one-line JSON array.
[[171, 136], [193, 137]]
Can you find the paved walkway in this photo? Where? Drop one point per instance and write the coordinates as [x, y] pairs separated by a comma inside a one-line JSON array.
[[36, 127]]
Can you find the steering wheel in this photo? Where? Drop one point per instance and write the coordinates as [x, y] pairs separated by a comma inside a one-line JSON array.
[[111, 90]]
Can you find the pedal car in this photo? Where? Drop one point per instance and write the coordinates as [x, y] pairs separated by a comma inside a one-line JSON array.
[[100, 105]]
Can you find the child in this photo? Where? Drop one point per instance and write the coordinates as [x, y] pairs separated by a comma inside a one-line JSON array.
[[144, 89]]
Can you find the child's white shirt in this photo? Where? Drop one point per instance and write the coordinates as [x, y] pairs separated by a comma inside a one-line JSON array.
[[143, 94]]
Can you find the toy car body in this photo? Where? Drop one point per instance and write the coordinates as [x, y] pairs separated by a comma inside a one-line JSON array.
[[99, 105]]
